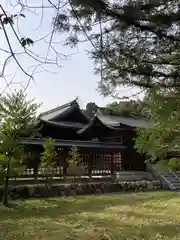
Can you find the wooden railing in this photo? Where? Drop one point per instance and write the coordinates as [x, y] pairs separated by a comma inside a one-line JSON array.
[[59, 172]]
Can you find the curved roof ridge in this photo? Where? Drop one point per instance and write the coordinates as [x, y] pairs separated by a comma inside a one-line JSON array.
[[59, 107], [96, 116]]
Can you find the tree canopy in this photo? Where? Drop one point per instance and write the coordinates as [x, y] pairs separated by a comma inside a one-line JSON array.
[[134, 43], [162, 138], [19, 113], [18, 119], [121, 108], [125, 108]]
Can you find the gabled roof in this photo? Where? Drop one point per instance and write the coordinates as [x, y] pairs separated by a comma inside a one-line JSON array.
[[116, 122], [56, 115], [58, 111], [93, 122]]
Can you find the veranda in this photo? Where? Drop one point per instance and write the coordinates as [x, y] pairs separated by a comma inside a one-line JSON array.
[[101, 159]]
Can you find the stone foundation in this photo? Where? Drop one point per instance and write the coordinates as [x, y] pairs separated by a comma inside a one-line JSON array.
[[132, 176], [19, 192]]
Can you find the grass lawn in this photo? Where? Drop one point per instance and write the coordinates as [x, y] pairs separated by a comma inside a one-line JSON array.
[[106, 217]]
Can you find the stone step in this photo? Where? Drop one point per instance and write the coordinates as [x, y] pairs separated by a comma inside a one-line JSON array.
[[168, 175], [175, 183], [171, 177], [176, 187]]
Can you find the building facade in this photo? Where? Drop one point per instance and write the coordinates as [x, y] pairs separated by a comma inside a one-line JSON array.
[[106, 143]]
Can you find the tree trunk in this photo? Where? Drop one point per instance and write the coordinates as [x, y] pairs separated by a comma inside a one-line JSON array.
[[6, 184]]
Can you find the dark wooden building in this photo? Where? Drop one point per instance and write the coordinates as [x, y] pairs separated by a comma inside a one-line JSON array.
[[106, 142]]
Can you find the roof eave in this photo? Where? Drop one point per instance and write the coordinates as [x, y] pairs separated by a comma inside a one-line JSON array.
[[61, 126], [69, 143], [88, 126]]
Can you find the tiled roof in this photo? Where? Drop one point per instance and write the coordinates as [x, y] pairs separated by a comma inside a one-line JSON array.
[[110, 121], [50, 117], [116, 121], [55, 112]]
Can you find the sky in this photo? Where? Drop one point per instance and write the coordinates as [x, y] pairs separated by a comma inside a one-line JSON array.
[[57, 85]]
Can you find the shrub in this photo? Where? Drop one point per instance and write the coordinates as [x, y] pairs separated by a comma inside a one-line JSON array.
[[174, 164]]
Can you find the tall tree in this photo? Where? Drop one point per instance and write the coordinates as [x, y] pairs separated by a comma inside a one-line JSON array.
[[18, 119], [162, 135], [134, 43]]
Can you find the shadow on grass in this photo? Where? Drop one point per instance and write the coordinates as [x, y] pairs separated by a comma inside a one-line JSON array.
[[87, 211], [151, 231], [72, 205]]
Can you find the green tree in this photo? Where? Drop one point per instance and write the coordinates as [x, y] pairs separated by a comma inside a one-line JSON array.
[[48, 160], [11, 158], [18, 119], [162, 135], [75, 168], [134, 43], [124, 108]]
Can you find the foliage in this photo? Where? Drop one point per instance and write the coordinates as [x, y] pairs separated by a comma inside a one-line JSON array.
[[132, 41], [75, 168], [18, 119], [12, 154], [174, 164], [162, 136], [125, 108], [121, 108], [20, 112], [48, 161], [47, 157], [74, 156], [11, 158]]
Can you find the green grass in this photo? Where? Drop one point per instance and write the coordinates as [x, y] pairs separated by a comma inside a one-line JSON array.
[[118, 216]]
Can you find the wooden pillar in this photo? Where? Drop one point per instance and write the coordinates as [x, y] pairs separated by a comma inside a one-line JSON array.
[[112, 163], [65, 163], [90, 160], [35, 170]]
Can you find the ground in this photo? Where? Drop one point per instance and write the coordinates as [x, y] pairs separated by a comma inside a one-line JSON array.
[[148, 216]]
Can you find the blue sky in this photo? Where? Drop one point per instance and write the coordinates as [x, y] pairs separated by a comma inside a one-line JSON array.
[[75, 77]]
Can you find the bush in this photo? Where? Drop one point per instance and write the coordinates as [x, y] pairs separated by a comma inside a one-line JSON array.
[[164, 162], [174, 164]]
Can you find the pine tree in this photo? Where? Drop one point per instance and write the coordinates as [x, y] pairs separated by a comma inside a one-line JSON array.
[[134, 43], [18, 119]]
